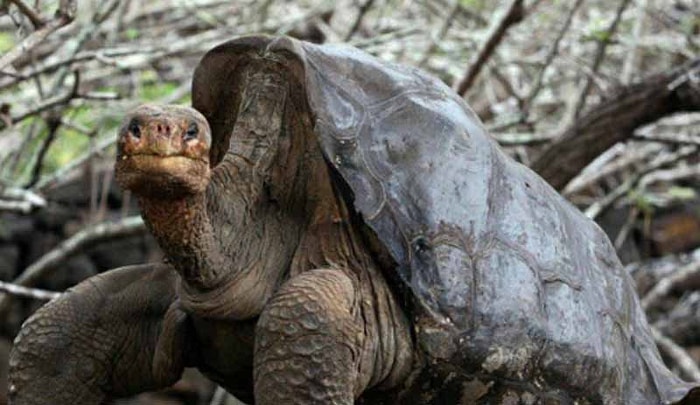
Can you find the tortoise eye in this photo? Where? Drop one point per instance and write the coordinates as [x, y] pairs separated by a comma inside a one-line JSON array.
[[134, 128], [191, 132]]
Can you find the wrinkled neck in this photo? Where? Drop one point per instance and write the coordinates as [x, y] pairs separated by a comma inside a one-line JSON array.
[[184, 232]]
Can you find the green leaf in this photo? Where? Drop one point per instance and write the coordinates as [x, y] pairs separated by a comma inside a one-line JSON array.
[[7, 41], [682, 193], [132, 33]]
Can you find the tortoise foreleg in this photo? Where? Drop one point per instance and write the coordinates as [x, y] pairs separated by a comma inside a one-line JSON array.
[[306, 347], [108, 337]]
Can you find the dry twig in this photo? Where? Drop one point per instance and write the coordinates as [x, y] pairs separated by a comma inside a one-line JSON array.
[[595, 209], [514, 15], [668, 284], [358, 21], [34, 16], [89, 236], [537, 86], [19, 291], [614, 120], [64, 16], [598, 58], [685, 363], [456, 7]]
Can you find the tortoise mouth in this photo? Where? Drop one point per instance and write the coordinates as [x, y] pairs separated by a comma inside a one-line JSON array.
[[153, 157], [155, 175]]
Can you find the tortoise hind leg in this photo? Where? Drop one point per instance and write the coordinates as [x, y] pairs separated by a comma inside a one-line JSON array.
[[113, 335], [307, 342]]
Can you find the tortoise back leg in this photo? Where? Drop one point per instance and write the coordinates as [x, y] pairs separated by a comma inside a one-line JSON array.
[[307, 342], [114, 335]]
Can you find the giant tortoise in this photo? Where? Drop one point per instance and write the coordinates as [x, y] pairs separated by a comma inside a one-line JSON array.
[[339, 230]]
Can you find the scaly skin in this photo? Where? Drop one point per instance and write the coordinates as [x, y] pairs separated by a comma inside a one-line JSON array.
[[99, 340], [277, 298]]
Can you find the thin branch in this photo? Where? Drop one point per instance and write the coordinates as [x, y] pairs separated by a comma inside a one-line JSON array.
[[64, 16], [616, 119], [692, 76], [631, 59], [685, 363], [19, 291], [33, 15], [101, 13], [103, 55], [520, 139], [595, 209], [98, 95], [456, 6], [49, 103], [381, 39], [15, 193], [670, 283], [608, 164], [219, 396], [78, 127], [87, 237], [52, 123], [670, 175], [106, 185], [673, 139], [598, 207], [52, 179], [364, 8], [514, 14], [21, 207], [626, 228], [598, 58], [20, 200], [505, 83], [537, 86]]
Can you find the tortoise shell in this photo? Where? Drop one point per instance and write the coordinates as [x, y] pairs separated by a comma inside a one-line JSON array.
[[505, 277]]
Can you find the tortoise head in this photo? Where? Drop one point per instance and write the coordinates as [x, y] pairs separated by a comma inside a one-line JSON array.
[[163, 151]]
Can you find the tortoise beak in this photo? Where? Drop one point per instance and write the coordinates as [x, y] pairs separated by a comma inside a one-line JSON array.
[[160, 140]]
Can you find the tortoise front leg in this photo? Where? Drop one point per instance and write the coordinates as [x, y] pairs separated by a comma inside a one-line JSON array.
[[307, 342], [113, 335]]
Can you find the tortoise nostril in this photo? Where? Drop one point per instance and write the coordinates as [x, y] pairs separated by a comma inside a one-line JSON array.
[[162, 129]]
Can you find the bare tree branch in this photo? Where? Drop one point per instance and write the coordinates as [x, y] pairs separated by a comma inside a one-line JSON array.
[[669, 283], [615, 120], [595, 209], [514, 14], [537, 86], [685, 363], [598, 59], [631, 59], [49, 103], [456, 7], [89, 236], [358, 21], [219, 396], [52, 124], [674, 139], [51, 180], [19, 291], [33, 15], [64, 16]]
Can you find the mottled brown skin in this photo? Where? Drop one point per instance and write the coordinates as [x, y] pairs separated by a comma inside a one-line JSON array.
[[269, 287]]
